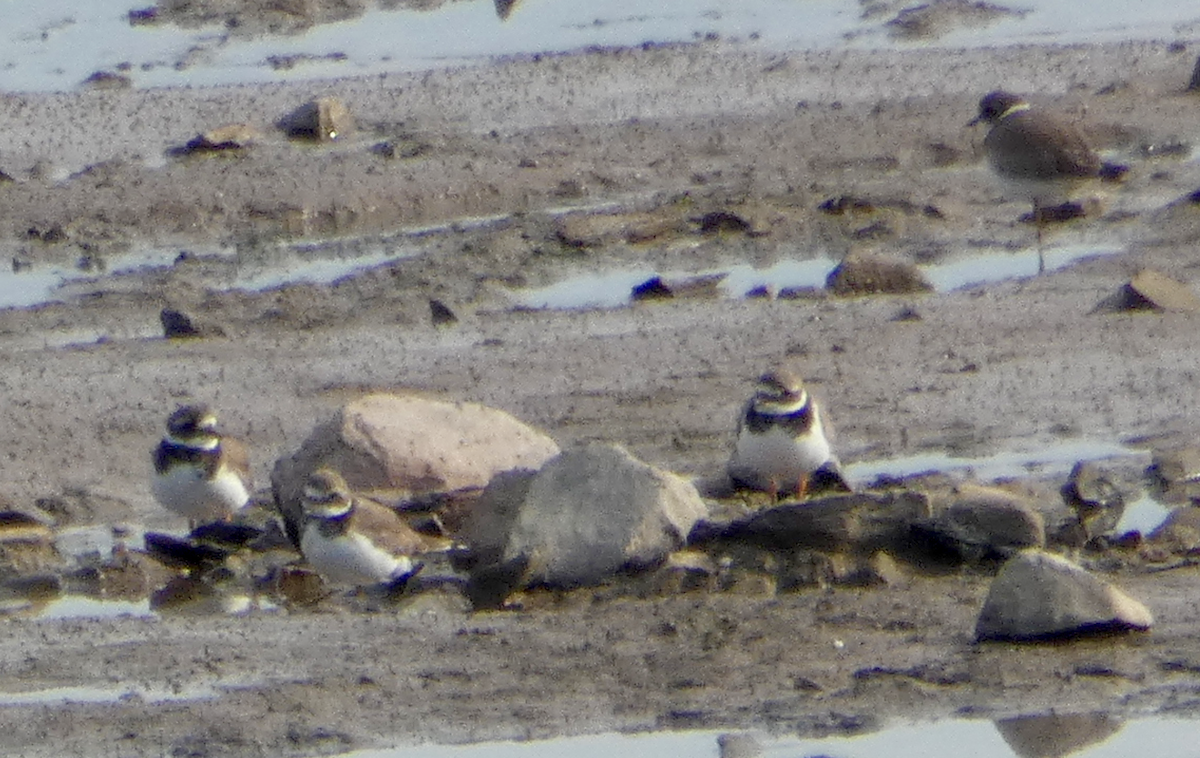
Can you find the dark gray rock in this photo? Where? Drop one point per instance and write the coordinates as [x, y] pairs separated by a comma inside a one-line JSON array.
[[587, 514], [322, 120], [984, 523], [441, 314], [179, 325], [228, 138], [859, 522], [1037, 596]]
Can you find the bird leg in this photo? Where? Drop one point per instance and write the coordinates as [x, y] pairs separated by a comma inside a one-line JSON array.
[[1039, 216], [802, 487]]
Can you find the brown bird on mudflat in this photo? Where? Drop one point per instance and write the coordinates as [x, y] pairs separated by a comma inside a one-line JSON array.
[[1039, 157]]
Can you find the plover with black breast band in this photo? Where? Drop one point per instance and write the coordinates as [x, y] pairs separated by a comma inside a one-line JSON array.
[[782, 446]]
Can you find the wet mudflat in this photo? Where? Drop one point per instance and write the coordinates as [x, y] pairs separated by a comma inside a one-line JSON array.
[[501, 193]]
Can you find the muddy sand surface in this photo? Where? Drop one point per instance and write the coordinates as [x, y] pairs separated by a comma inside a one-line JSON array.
[[478, 184]]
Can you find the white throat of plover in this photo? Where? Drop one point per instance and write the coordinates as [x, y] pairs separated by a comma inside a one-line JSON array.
[[324, 505], [207, 445], [781, 407]]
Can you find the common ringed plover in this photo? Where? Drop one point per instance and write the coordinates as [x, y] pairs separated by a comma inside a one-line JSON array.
[[198, 473], [350, 540], [782, 446], [1038, 156]]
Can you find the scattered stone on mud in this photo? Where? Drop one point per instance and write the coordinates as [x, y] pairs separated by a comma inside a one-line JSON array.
[[718, 222], [684, 571], [441, 314], [108, 80], [254, 18], [504, 8], [653, 288], [322, 120], [595, 229], [143, 16], [587, 514], [179, 325], [939, 17], [30, 587], [184, 554], [392, 447], [1150, 290], [862, 274], [1038, 596], [984, 523], [657, 288], [907, 313], [1168, 147], [288, 62], [230, 137], [401, 148]]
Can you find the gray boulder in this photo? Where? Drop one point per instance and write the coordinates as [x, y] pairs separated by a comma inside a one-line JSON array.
[[985, 522], [587, 514], [1037, 595]]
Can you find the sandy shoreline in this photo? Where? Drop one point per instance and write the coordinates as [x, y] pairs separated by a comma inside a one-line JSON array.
[[656, 137]]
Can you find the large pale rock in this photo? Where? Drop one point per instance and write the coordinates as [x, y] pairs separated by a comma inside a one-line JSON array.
[[1155, 291], [1150, 290], [588, 513], [391, 447], [1037, 595]]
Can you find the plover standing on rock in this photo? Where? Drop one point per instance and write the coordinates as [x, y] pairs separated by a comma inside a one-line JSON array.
[[782, 446]]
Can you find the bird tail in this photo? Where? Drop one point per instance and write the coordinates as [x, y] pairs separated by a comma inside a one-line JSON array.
[[829, 478]]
